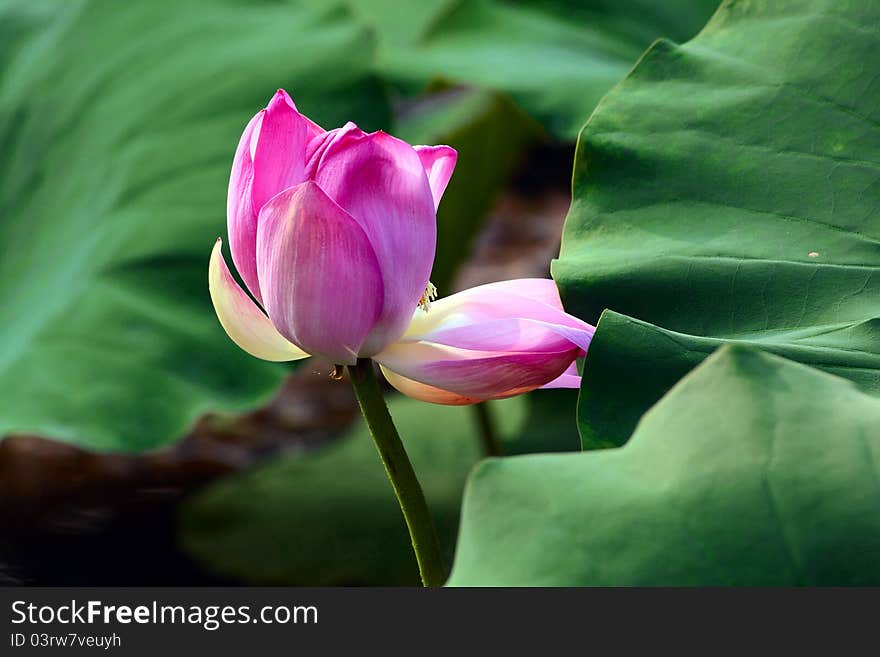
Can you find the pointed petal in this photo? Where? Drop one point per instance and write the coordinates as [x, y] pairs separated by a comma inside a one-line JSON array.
[[321, 283], [332, 140], [244, 322], [280, 149], [381, 182], [439, 162], [424, 392], [241, 220]]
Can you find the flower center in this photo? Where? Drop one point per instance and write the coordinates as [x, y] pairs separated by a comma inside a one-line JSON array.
[[428, 296]]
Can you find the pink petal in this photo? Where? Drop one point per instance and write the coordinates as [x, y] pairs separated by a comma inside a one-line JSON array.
[[568, 379], [474, 374], [520, 306], [280, 149], [439, 161], [543, 290], [320, 279], [338, 138], [424, 392], [241, 220], [507, 335], [490, 342], [245, 323], [381, 182]]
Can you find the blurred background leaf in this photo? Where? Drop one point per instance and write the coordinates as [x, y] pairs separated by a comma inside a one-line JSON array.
[[727, 189], [744, 492], [118, 122], [555, 58], [329, 517]]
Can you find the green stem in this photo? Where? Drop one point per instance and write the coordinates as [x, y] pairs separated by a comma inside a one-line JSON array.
[[488, 434], [400, 473]]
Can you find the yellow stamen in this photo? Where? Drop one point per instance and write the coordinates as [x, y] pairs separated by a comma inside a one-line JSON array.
[[428, 296], [336, 374]]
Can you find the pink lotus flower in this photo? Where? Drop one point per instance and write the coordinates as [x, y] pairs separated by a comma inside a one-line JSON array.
[[334, 234]]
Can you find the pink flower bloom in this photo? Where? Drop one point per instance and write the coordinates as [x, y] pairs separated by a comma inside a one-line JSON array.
[[334, 233]]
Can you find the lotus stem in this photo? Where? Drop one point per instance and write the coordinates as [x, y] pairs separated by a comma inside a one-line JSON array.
[[400, 473]]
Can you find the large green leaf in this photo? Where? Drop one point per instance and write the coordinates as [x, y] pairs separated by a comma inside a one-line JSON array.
[[330, 517], [557, 59], [118, 121], [753, 470], [728, 189]]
